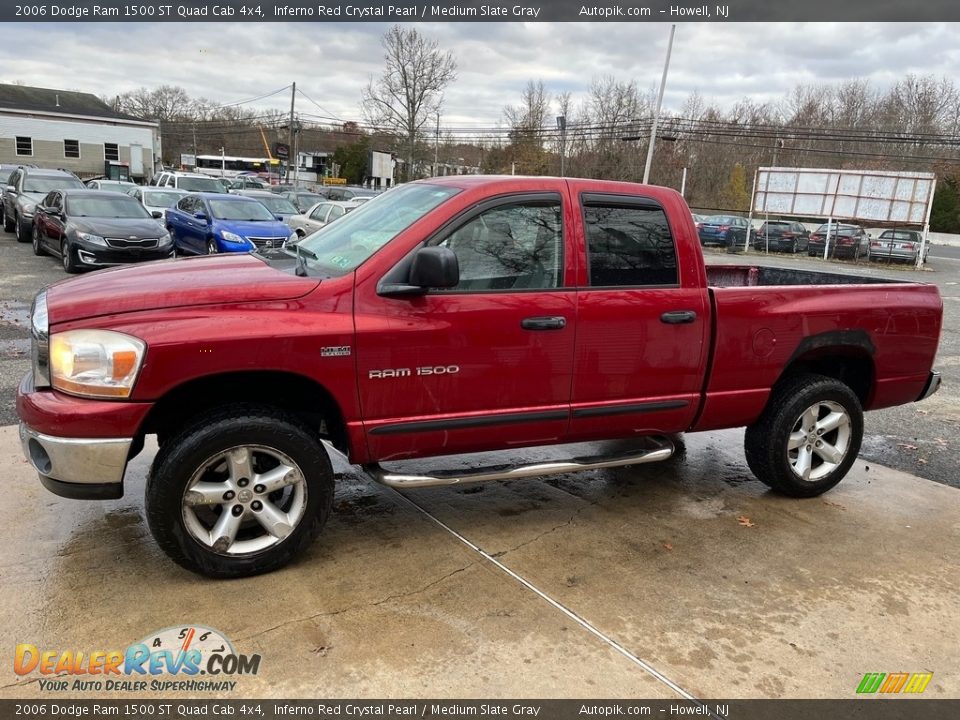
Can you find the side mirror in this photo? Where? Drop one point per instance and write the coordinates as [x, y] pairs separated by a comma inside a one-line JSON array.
[[435, 267], [156, 214], [279, 217], [200, 216], [11, 188]]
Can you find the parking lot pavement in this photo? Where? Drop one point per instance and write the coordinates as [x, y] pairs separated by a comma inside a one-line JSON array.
[[681, 577]]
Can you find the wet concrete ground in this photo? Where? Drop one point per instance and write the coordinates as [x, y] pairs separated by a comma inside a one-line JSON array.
[[685, 577]]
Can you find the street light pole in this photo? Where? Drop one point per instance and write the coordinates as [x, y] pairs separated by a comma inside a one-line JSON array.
[[656, 114]]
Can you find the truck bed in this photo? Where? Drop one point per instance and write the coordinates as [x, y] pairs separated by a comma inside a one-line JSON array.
[[723, 276]]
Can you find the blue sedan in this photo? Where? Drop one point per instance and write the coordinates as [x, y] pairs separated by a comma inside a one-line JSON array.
[[209, 223]]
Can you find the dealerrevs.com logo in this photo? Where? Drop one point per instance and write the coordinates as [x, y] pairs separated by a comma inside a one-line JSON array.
[[187, 658]]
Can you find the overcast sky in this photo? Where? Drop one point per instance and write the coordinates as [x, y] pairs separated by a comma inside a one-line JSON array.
[[330, 62]]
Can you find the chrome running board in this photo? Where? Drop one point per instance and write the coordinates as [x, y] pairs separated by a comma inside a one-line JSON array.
[[663, 450]]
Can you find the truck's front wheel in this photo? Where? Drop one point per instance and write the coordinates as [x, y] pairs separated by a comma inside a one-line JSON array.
[[808, 436], [240, 492]]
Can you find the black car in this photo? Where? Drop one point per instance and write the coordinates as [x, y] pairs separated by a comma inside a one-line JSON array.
[[98, 228], [781, 236]]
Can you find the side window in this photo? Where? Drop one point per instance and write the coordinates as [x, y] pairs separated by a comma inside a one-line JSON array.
[[629, 245], [335, 212], [184, 205], [319, 212], [15, 179], [516, 246]]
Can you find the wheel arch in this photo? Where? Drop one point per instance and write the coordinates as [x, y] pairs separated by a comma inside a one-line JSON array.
[[844, 355], [302, 396]]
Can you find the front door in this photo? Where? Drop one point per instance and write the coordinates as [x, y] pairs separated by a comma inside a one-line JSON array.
[[487, 363]]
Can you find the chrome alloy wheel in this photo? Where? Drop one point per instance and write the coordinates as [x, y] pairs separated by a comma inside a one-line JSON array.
[[819, 441], [244, 500]]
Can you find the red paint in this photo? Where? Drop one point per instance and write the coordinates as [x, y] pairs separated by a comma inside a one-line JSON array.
[[614, 370]]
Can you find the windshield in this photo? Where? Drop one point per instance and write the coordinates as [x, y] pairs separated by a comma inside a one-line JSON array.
[[101, 207], [200, 184], [161, 199], [338, 248], [46, 184], [278, 205], [239, 210]]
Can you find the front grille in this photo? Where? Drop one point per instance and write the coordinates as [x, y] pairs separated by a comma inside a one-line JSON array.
[[142, 243], [267, 242]]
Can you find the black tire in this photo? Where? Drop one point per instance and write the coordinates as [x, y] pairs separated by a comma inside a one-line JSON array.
[[23, 230], [68, 257], [211, 246], [37, 246], [7, 221], [186, 454], [767, 442]]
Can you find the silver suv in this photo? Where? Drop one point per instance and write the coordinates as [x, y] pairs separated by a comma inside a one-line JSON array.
[[191, 182], [26, 187]]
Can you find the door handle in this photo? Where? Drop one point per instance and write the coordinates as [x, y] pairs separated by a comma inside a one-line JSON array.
[[678, 317], [544, 323]]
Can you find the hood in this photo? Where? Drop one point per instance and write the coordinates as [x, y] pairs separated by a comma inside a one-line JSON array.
[[208, 280], [126, 228]]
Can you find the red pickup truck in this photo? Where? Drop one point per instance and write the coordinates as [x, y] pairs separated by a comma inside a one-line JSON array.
[[450, 316]]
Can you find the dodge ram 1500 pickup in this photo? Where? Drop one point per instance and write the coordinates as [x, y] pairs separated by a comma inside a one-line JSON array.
[[451, 316]]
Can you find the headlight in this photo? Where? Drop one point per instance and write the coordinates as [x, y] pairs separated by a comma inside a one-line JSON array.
[[95, 363], [28, 209], [92, 239], [164, 239], [232, 237], [40, 340]]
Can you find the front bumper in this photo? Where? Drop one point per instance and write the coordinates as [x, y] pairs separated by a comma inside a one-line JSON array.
[[77, 467], [933, 384]]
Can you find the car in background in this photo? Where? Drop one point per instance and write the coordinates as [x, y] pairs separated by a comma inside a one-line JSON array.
[[781, 236], [898, 245], [191, 182], [210, 223], [97, 228], [320, 215], [114, 185], [722, 230], [342, 192], [303, 200], [26, 187], [846, 241], [156, 199], [247, 182], [281, 208]]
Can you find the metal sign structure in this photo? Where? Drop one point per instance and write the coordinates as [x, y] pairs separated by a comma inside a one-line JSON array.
[[903, 198]]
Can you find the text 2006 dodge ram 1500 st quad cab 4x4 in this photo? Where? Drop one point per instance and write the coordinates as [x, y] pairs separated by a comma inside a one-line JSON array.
[[450, 316]]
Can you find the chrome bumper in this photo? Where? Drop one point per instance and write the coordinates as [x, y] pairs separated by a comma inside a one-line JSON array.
[[933, 384], [84, 461]]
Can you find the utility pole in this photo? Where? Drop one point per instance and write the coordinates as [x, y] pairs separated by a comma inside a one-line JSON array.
[[656, 113], [293, 97], [223, 162], [562, 125], [436, 149]]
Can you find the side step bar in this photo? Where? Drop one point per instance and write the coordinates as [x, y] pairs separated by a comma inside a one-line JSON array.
[[663, 450]]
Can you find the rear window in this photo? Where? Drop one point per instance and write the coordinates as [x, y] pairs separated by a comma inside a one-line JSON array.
[[899, 235]]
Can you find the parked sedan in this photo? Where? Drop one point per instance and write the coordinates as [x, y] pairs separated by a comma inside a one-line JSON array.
[[282, 208], [97, 228], [898, 245], [781, 236], [722, 230], [321, 214], [114, 185], [302, 199], [850, 241], [209, 223], [156, 199]]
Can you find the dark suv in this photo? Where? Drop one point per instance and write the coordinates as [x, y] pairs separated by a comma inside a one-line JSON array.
[[26, 187]]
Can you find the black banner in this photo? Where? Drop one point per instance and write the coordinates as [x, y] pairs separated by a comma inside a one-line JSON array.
[[858, 709], [258, 11]]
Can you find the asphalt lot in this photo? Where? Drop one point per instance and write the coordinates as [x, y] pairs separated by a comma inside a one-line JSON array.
[[679, 579], [921, 439]]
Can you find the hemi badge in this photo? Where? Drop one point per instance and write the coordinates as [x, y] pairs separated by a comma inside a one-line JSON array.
[[335, 351]]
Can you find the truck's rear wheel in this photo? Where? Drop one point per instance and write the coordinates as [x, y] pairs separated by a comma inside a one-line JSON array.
[[241, 491], [808, 436]]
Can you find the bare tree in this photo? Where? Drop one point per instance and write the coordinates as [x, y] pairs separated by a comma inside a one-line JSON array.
[[528, 124], [409, 93]]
